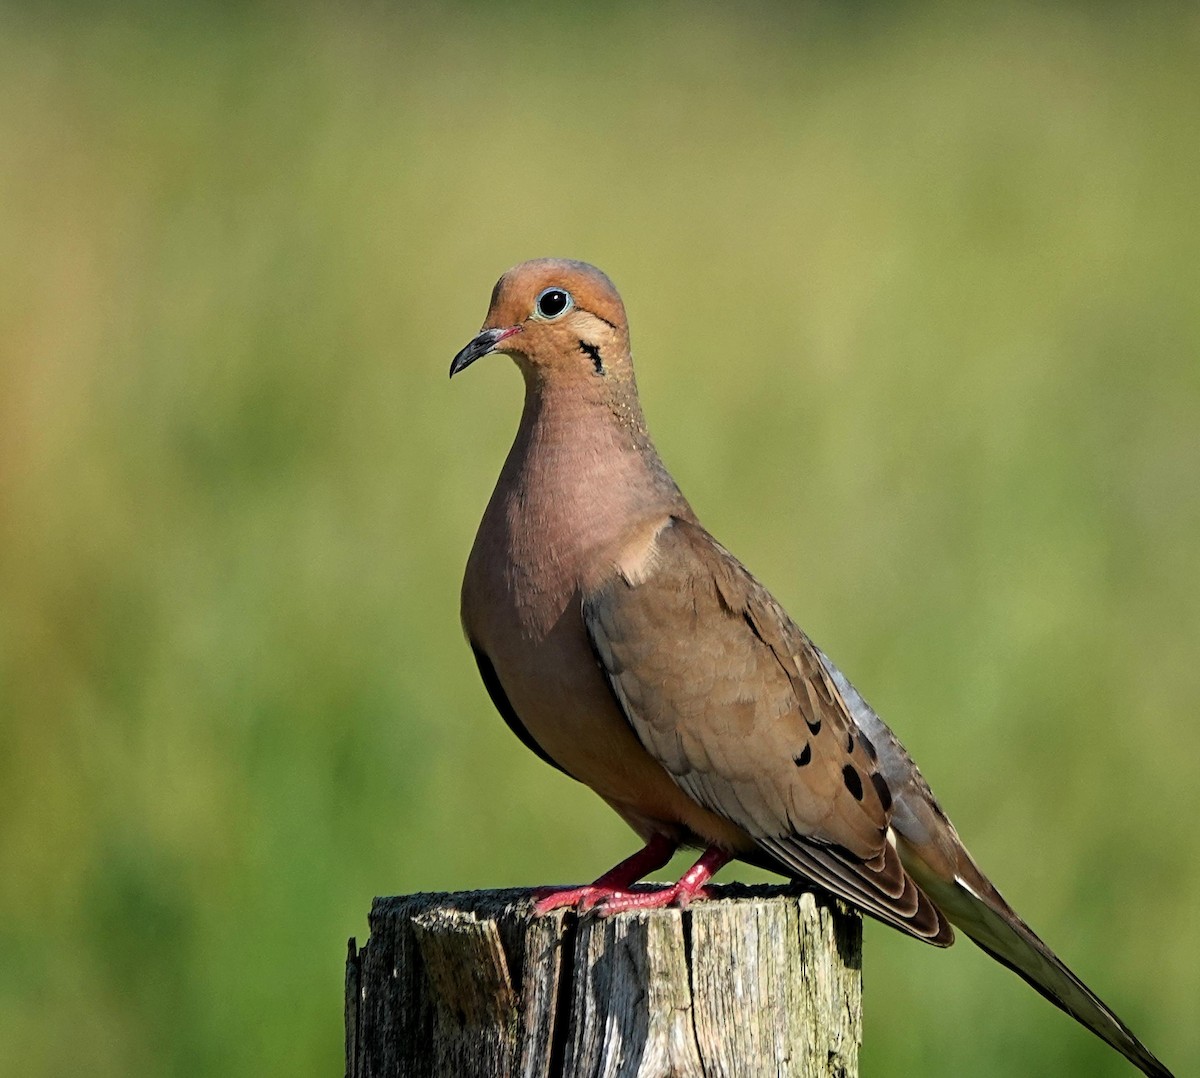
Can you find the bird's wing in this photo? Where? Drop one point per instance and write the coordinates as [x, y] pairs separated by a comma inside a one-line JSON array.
[[732, 699]]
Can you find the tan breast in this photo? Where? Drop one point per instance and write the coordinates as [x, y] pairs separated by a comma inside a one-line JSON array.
[[540, 543]]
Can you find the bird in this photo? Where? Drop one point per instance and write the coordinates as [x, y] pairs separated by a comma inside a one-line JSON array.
[[630, 650]]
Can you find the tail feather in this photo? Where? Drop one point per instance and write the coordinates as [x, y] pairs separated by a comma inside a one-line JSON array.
[[934, 856], [982, 914]]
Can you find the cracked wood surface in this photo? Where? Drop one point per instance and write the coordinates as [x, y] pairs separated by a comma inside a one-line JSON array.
[[761, 980]]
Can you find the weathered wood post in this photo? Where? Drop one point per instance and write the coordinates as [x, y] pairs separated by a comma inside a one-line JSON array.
[[754, 981]]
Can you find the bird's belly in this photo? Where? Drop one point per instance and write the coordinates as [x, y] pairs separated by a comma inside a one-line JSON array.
[[559, 694], [562, 699]]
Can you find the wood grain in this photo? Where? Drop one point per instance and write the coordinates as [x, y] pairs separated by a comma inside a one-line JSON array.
[[754, 981]]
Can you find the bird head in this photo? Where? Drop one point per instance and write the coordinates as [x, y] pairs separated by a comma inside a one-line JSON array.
[[558, 319]]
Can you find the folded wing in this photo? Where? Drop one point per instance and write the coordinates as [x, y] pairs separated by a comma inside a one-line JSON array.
[[731, 697]]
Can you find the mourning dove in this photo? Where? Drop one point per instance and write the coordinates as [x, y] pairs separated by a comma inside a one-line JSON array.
[[627, 648]]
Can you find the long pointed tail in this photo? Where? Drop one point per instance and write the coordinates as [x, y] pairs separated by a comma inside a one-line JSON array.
[[979, 910]]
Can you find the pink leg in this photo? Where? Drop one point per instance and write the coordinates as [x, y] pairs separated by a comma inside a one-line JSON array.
[[690, 886], [656, 853]]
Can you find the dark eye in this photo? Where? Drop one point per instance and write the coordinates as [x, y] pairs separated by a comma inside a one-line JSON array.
[[552, 302]]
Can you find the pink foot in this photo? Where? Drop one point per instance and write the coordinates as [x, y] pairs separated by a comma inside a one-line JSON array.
[[583, 897], [624, 901], [690, 887], [656, 853]]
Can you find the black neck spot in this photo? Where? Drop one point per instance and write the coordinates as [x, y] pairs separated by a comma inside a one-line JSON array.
[[593, 351]]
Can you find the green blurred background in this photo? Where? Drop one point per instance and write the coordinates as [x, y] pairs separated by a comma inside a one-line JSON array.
[[914, 297]]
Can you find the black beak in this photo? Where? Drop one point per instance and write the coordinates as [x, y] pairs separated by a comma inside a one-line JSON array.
[[483, 344]]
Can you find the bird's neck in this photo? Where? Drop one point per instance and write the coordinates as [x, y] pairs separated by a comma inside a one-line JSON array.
[[599, 411], [587, 447], [581, 471]]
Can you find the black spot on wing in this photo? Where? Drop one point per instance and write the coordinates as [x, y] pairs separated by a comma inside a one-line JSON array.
[[814, 726], [805, 756], [881, 788], [853, 781], [491, 682]]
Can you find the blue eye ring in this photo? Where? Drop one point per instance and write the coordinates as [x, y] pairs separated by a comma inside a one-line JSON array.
[[552, 302]]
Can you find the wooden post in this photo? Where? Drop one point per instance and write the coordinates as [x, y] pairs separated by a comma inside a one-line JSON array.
[[754, 981]]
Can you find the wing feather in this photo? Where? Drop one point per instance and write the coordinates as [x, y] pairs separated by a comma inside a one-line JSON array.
[[731, 697]]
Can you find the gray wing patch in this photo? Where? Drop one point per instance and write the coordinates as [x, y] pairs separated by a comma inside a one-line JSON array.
[[912, 797]]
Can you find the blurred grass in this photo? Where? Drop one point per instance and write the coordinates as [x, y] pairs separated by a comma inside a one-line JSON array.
[[914, 299]]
